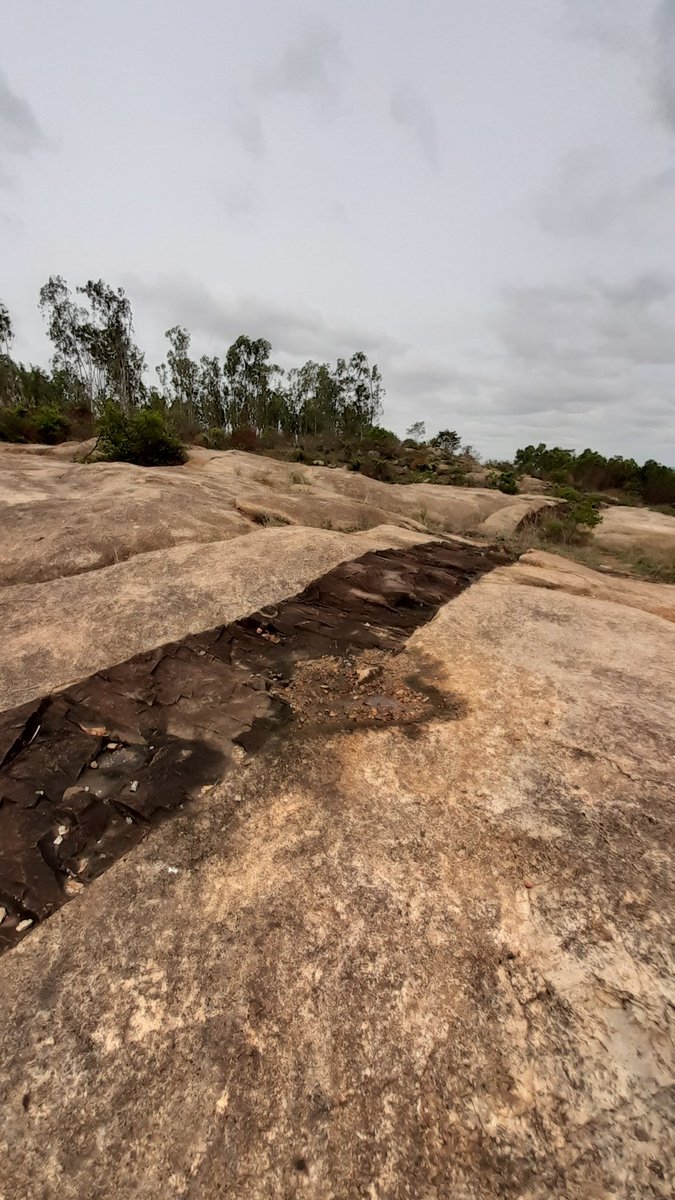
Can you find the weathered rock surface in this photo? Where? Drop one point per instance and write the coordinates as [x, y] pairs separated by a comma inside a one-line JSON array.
[[63, 517], [375, 961], [622, 528]]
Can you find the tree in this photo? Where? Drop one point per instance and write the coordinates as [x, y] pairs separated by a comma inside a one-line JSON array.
[[180, 377], [358, 403], [93, 347], [249, 377], [447, 440], [6, 331], [211, 393], [417, 431], [108, 335]]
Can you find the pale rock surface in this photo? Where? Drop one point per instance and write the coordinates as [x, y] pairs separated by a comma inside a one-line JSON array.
[[64, 517], [377, 965], [623, 527]]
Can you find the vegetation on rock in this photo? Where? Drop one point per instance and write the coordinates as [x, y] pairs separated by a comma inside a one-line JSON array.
[[317, 412]]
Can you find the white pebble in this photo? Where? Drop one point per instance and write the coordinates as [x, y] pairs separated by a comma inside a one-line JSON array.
[[26, 924]]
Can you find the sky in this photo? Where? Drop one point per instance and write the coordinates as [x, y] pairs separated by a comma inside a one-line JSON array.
[[479, 193]]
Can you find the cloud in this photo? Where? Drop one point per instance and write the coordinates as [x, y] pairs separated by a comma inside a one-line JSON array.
[[240, 200], [643, 33], [217, 319], [587, 196], [665, 62], [616, 25], [589, 364], [409, 110], [311, 65], [597, 325], [20, 133], [247, 127]]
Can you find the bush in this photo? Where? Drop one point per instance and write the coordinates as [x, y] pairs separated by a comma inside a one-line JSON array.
[[382, 440], [376, 468], [216, 439], [50, 423], [508, 483], [571, 525], [145, 437], [46, 423], [13, 425], [244, 439]]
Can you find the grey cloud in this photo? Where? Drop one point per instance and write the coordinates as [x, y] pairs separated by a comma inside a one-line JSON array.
[[410, 111], [20, 133], [615, 25], [594, 323], [240, 200], [217, 320], [643, 33], [311, 65], [665, 61], [586, 198], [246, 126], [592, 363]]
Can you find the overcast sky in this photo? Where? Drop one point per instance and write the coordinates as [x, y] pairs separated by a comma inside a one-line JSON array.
[[480, 193]]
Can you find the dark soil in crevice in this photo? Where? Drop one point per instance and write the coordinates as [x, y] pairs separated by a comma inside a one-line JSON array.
[[86, 773]]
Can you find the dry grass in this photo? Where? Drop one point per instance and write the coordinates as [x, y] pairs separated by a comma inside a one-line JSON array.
[[656, 564], [263, 518], [264, 478]]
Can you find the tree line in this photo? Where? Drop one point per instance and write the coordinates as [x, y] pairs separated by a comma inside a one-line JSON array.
[[98, 375], [96, 362], [652, 482]]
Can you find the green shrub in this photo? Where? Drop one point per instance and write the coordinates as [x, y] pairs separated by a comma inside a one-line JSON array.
[[145, 437], [567, 493], [508, 483], [377, 468], [13, 425], [382, 440], [572, 523], [244, 439], [51, 424], [216, 439]]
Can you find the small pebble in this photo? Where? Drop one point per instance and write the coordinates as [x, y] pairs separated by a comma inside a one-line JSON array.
[[25, 924], [133, 786], [73, 887], [172, 870], [112, 745], [129, 820], [3, 914], [58, 839], [528, 883], [94, 766], [40, 793]]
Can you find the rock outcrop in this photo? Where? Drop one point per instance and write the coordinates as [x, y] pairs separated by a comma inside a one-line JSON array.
[[414, 943]]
